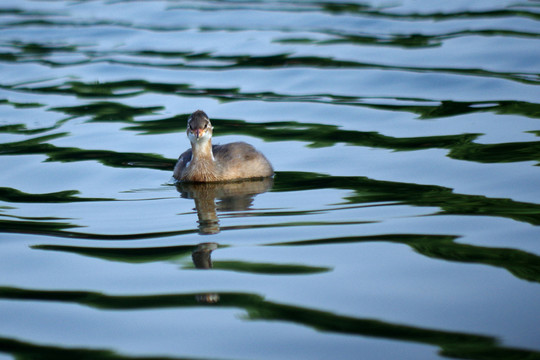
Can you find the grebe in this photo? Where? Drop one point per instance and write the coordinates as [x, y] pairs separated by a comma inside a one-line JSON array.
[[205, 162]]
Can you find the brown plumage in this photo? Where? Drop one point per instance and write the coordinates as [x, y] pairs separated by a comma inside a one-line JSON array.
[[205, 162]]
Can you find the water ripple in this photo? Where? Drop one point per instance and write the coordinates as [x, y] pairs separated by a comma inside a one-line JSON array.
[[404, 206]]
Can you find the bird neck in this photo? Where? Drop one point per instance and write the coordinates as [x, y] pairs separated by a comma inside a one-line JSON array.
[[202, 150]]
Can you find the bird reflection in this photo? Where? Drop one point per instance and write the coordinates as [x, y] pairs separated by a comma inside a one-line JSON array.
[[202, 260], [211, 198]]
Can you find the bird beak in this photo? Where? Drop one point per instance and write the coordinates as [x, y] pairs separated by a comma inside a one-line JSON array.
[[198, 133]]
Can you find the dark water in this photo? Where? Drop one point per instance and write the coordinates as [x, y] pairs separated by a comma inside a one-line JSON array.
[[403, 220]]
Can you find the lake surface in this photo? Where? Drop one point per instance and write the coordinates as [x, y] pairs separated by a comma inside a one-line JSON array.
[[402, 222]]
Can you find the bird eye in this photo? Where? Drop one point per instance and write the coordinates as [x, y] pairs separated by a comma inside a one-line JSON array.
[[205, 126]]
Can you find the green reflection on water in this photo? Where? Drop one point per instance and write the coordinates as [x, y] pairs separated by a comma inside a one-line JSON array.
[[40, 146], [462, 146], [19, 105], [415, 40], [38, 226], [107, 110], [40, 53], [268, 268], [67, 196], [24, 350], [130, 255], [371, 191], [170, 253], [364, 191], [452, 344], [521, 264], [344, 7]]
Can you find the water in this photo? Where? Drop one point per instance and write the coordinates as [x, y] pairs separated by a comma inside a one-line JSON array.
[[402, 221]]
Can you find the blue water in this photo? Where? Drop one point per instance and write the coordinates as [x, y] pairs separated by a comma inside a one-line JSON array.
[[403, 220]]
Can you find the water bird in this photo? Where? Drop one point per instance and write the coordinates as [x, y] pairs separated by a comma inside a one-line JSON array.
[[205, 162]]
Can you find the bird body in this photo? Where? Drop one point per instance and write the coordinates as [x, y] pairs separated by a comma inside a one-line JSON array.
[[205, 162]]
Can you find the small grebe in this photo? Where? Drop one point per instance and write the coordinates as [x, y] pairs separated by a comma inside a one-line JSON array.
[[205, 162]]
